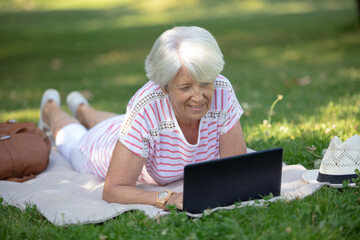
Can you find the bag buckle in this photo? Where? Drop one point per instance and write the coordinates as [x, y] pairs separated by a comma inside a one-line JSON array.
[[4, 137]]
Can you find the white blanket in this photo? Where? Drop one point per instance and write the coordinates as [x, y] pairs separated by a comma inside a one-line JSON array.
[[65, 196]]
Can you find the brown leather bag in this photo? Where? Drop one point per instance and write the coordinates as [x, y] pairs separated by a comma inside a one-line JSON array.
[[24, 151]]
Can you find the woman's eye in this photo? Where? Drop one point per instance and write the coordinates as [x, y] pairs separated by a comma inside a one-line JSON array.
[[185, 88], [205, 84]]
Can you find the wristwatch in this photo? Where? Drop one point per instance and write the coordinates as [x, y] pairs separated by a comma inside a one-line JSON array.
[[163, 197]]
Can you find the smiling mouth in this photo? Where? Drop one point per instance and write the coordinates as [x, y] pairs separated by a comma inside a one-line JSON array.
[[197, 108]]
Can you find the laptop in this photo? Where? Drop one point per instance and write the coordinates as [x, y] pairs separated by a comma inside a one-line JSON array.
[[222, 182]]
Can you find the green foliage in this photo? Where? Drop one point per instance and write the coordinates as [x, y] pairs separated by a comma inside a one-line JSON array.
[[357, 180], [307, 51]]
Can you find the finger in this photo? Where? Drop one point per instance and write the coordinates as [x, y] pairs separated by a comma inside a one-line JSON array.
[[180, 206]]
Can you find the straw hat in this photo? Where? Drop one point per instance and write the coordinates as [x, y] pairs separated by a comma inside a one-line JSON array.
[[339, 163]]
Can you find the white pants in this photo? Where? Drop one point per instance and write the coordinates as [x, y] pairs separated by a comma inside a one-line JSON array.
[[67, 142]]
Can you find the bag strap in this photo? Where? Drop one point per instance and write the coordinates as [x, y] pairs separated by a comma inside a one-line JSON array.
[[21, 179], [15, 157]]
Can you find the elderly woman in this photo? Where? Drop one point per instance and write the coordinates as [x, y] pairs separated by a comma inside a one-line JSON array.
[[187, 112]]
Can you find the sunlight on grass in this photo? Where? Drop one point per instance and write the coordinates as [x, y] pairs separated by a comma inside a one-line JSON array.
[[346, 108], [352, 73], [61, 4], [276, 7], [339, 118], [130, 80], [145, 15], [151, 12], [116, 57], [159, 6], [290, 55], [21, 115]]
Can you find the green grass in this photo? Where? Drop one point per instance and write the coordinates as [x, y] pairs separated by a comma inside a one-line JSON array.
[[307, 51]]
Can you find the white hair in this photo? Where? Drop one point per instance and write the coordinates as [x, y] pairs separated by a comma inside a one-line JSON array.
[[194, 48]]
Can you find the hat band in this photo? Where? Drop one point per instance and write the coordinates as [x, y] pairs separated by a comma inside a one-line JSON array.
[[335, 178]]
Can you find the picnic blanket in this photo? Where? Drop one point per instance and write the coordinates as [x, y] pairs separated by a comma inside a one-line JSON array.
[[64, 196]]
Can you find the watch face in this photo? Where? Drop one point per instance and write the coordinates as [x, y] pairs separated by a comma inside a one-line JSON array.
[[163, 195]]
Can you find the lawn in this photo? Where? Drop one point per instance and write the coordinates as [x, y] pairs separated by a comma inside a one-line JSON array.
[[306, 51]]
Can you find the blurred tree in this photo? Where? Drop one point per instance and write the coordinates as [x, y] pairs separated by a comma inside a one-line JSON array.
[[358, 9]]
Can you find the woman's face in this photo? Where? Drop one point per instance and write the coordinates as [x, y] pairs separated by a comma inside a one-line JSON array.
[[190, 99]]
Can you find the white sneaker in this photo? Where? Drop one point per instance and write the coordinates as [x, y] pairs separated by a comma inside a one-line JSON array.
[[49, 94], [73, 100]]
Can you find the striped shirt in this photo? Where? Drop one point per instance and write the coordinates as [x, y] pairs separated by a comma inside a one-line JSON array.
[[150, 130]]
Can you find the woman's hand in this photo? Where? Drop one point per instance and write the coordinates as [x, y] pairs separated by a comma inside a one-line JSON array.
[[177, 200]]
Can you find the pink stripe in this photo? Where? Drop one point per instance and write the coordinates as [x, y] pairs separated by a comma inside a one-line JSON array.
[[135, 137], [168, 171], [102, 169], [168, 104], [147, 176], [151, 84], [162, 109], [204, 130], [93, 169], [215, 130], [116, 129], [212, 139], [176, 158], [231, 119], [170, 164], [155, 173], [132, 144], [222, 99], [232, 109], [98, 156], [104, 149], [215, 100], [111, 147], [130, 104], [232, 126], [207, 158], [141, 116], [209, 148], [152, 125], [141, 126], [158, 119], [171, 151], [132, 127], [212, 123], [157, 110], [174, 138], [177, 145]]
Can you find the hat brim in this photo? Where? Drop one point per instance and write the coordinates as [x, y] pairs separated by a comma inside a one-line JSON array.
[[310, 176]]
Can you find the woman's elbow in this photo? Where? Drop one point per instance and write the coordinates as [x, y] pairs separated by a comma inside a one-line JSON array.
[[114, 193], [106, 194], [109, 192]]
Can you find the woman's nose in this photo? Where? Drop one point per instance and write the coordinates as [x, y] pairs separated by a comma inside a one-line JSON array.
[[198, 95]]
